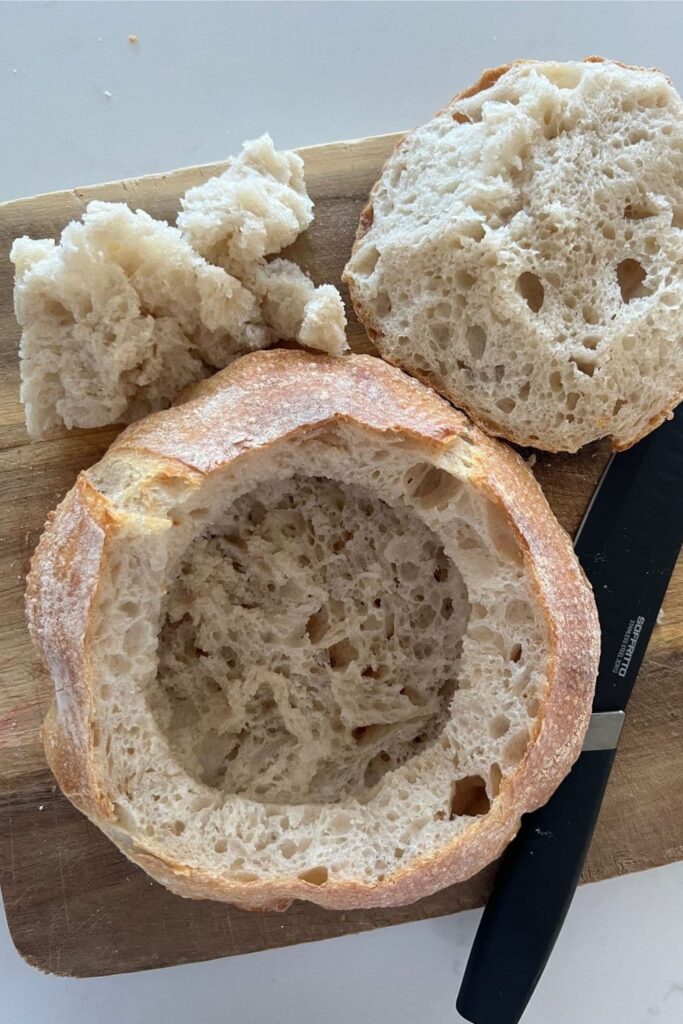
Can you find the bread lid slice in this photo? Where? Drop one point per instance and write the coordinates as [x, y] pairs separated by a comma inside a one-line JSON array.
[[312, 635], [522, 251]]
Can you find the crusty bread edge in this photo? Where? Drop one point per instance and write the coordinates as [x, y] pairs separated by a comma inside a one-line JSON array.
[[377, 398], [488, 78], [59, 622]]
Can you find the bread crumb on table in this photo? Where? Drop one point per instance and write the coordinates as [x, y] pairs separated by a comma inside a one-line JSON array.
[[660, 616], [133, 39]]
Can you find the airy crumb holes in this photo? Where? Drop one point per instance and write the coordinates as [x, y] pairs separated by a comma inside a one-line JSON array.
[[639, 210], [342, 654], [383, 303], [469, 797], [463, 280], [631, 277], [531, 289], [317, 624], [367, 258], [516, 746], [430, 486], [314, 876], [506, 404], [495, 779], [584, 365], [498, 726]]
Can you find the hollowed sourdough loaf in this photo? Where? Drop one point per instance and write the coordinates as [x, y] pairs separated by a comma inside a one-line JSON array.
[[312, 635], [522, 252]]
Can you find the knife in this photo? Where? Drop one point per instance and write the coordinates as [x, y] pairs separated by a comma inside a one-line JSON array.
[[628, 544]]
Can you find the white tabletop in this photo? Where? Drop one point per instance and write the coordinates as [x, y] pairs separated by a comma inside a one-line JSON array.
[[81, 104]]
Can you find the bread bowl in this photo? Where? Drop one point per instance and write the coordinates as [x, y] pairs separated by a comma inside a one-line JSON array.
[[289, 547]]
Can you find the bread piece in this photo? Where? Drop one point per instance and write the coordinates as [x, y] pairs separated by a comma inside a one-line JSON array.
[[293, 307], [312, 635], [120, 316], [324, 324], [522, 252], [255, 208], [123, 314]]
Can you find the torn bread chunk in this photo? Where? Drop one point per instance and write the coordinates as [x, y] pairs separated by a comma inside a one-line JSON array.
[[119, 316], [251, 211], [125, 311], [324, 323], [293, 307], [255, 208]]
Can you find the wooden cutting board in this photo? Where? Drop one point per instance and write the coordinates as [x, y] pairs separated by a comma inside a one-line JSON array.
[[74, 904]]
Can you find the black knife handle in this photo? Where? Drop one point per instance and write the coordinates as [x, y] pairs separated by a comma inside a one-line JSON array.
[[531, 895]]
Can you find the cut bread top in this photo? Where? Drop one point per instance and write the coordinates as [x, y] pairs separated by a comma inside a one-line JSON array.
[[522, 252], [312, 635]]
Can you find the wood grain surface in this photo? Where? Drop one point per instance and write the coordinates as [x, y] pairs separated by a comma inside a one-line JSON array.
[[74, 904]]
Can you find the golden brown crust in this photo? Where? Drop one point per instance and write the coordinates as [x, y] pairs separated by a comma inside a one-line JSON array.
[[259, 400], [489, 427], [487, 79], [620, 445], [269, 396], [567, 599], [60, 591]]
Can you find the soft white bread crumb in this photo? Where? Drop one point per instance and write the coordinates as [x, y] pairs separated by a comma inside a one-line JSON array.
[[256, 207], [293, 307], [118, 317], [324, 323], [325, 643], [284, 290], [523, 252], [124, 313], [334, 712]]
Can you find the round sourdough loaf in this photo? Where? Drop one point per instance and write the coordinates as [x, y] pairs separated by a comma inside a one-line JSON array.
[[312, 635], [522, 252]]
